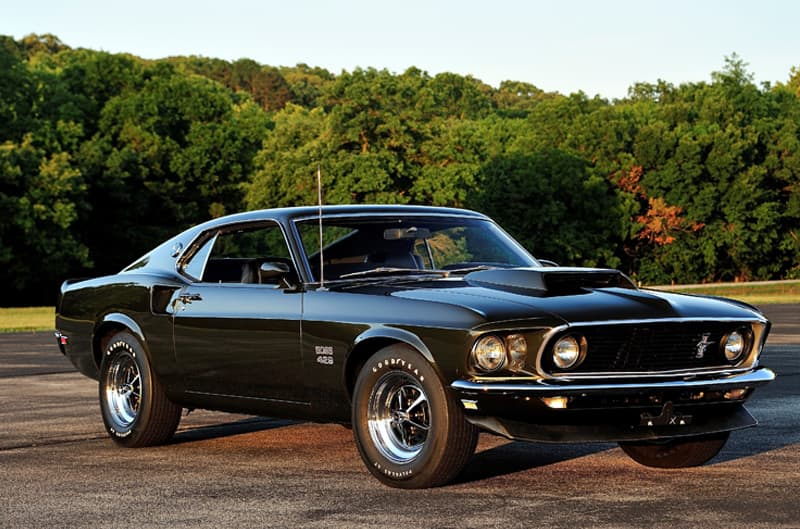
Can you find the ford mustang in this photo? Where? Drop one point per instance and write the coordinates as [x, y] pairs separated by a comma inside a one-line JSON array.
[[419, 327]]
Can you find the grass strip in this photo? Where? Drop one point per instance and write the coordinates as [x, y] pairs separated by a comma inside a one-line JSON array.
[[756, 293], [16, 319]]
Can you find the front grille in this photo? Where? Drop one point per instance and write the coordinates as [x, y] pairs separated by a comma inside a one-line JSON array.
[[649, 347]]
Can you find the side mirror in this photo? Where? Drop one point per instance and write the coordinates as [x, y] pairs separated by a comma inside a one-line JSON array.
[[272, 272], [548, 263]]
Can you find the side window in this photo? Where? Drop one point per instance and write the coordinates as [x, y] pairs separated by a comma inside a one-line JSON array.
[[197, 263], [251, 243], [237, 256]]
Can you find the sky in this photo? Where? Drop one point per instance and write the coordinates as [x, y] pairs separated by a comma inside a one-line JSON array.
[[599, 47]]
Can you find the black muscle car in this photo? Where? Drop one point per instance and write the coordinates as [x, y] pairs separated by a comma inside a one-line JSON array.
[[418, 326]]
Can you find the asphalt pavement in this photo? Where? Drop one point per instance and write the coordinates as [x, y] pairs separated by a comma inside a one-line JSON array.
[[58, 468]]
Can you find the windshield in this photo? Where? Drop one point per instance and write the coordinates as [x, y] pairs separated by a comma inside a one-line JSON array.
[[356, 247]]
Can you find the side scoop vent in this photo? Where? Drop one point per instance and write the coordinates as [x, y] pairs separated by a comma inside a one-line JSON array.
[[549, 281]]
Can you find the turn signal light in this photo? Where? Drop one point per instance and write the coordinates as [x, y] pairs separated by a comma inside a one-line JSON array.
[[557, 403]]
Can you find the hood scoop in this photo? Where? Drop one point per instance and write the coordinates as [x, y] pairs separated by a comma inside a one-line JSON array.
[[549, 281]]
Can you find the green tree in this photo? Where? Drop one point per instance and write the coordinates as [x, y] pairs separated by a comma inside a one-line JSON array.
[[166, 157], [552, 205], [41, 196], [265, 85], [104, 155], [307, 84], [515, 99]]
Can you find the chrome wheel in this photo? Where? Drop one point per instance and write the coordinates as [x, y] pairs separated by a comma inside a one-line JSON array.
[[123, 390], [135, 408], [410, 432], [398, 417]]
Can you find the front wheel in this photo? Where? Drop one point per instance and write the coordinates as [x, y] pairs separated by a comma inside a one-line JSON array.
[[678, 452], [410, 432], [135, 408]]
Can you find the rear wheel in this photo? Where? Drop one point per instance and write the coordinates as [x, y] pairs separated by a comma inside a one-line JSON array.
[[410, 432], [135, 408], [678, 452]]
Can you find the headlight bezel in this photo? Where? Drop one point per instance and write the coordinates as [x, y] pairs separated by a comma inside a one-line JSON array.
[[581, 347], [516, 350], [514, 347], [745, 337], [480, 351]]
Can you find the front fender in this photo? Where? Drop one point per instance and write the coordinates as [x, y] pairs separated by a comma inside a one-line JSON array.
[[400, 335]]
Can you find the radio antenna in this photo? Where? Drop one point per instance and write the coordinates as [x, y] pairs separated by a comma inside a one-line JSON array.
[[319, 201]]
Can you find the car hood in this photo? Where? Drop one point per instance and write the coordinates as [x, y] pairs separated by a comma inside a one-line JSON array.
[[566, 294]]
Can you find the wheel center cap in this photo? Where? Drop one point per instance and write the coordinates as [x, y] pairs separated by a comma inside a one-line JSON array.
[[400, 415]]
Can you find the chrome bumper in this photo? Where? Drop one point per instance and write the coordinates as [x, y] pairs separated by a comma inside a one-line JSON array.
[[610, 411], [547, 388]]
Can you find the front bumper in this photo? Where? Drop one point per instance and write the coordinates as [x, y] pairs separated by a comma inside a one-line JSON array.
[[610, 411], [544, 388]]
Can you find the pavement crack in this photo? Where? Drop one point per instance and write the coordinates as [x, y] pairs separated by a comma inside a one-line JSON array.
[[36, 374], [54, 442]]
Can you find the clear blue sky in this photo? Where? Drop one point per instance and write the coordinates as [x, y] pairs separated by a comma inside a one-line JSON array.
[[600, 47]]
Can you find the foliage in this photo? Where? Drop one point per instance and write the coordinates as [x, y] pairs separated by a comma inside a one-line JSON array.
[[552, 205], [104, 155], [167, 156], [42, 193]]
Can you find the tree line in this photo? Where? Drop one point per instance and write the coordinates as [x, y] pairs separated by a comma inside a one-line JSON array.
[[102, 156]]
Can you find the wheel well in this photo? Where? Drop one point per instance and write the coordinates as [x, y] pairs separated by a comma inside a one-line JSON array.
[[359, 356], [101, 338]]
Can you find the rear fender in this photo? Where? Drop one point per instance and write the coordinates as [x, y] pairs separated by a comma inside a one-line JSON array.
[[114, 320]]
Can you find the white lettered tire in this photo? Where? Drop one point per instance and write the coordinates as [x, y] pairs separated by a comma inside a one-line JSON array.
[[135, 408], [410, 432]]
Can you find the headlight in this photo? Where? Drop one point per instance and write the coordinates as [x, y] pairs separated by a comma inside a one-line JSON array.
[[734, 346], [569, 351], [517, 350], [489, 353]]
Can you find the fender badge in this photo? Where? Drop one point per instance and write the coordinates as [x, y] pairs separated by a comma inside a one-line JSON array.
[[324, 354]]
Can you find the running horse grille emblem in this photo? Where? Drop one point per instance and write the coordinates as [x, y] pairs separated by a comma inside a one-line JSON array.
[[702, 346]]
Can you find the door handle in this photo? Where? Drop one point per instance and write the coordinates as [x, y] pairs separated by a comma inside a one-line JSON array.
[[188, 298]]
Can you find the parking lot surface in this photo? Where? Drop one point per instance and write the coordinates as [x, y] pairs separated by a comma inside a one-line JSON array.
[[58, 469]]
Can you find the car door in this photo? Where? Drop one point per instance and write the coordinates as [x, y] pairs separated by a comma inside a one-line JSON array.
[[237, 329]]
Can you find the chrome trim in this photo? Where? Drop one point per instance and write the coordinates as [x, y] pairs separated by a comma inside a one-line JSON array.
[[314, 216], [473, 355], [758, 325], [201, 238], [246, 397], [545, 388], [604, 375]]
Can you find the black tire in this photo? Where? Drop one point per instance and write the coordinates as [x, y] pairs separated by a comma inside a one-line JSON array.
[[135, 408], [410, 432], [680, 452]]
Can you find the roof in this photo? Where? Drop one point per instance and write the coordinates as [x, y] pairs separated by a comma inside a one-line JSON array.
[[354, 209], [162, 255]]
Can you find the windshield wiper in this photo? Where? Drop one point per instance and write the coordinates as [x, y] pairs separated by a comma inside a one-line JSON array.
[[386, 270], [477, 268]]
